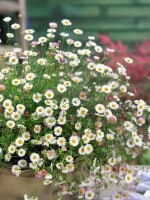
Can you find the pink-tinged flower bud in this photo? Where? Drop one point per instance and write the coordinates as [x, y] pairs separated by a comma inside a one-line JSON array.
[[111, 120], [136, 90], [88, 60], [64, 148], [83, 95], [70, 75], [110, 98], [53, 24], [26, 114], [101, 144], [2, 87]]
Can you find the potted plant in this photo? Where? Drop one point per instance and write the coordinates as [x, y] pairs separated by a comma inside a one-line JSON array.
[[62, 117]]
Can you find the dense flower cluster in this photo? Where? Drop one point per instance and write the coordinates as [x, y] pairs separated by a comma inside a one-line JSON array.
[[61, 113]]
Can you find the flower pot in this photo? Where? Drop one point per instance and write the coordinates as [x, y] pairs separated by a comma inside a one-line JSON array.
[[13, 188]]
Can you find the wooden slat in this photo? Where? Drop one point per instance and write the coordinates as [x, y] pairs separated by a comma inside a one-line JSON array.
[[129, 12], [78, 11], [129, 36], [92, 2]]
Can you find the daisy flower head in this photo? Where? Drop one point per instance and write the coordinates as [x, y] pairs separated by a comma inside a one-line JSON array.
[[74, 141], [34, 157], [89, 195], [19, 141], [28, 37], [7, 19], [15, 26], [88, 148], [100, 108], [58, 130], [13, 60], [128, 60], [61, 141], [78, 31], [66, 22], [49, 94], [10, 124], [82, 112]]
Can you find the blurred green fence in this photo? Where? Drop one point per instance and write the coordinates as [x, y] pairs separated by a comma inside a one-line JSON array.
[[126, 20]]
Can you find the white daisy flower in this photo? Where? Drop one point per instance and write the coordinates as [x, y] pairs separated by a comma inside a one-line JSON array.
[[9, 35], [37, 128], [42, 39], [34, 157], [98, 49], [19, 141], [26, 136], [89, 195], [22, 163], [82, 112], [13, 60], [30, 76], [113, 105], [82, 150], [61, 120], [49, 94], [78, 31], [66, 22], [61, 141], [76, 102], [128, 178], [37, 97], [7, 19], [12, 149], [28, 37], [15, 26], [21, 152], [57, 130], [74, 141], [78, 126], [88, 148], [15, 116], [100, 108], [128, 60], [40, 110], [42, 61], [61, 88], [10, 124], [69, 159], [16, 82], [48, 111], [20, 108]]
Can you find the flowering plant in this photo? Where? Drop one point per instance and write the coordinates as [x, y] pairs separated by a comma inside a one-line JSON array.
[[61, 113]]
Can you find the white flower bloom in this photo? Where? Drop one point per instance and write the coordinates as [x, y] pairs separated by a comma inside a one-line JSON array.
[[128, 178], [100, 108], [78, 126], [82, 150], [89, 195], [40, 110], [30, 76], [15, 26], [57, 130], [10, 124], [61, 88], [113, 105], [22, 163], [66, 22], [128, 125], [9, 35], [61, 120], [15, 116], [42, 39], [123, 88], [69, 159], [42, 61], [98, 49], [112, 161], [1, 97], [49, 94], [7, 19], [13, 60], [78, 31], [34, 157], [28, 37], [106, 89], [88, 148], [82, 112], [20, 108], [48, 111], [19, 141], [21, 152], [137, 141], [50, 121], [61, 141], [37, 97], [74, 141], [11, 149], [37, 128], [100, 68], [15, 82], [128, 60], [76, 102], [91, 66]]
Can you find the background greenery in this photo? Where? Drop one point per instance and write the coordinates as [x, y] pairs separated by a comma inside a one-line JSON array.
[[125, 20]]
